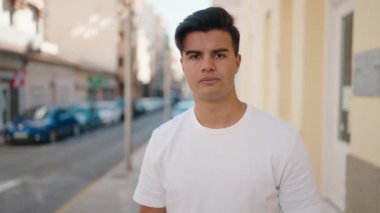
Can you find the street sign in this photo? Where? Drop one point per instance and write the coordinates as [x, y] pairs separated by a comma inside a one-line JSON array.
[[18, 79]]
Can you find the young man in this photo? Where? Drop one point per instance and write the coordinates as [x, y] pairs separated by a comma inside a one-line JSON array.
[[222, 156]]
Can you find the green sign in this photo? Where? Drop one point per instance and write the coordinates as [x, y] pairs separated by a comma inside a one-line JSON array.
[[95, 81]]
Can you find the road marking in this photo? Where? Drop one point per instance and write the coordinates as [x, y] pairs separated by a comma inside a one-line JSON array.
[[6, 185]]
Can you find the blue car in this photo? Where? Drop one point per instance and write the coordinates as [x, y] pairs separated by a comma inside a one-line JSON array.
[[42, 124], [87, 115]]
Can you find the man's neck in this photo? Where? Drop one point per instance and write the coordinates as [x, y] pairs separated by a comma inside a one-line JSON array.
[[221, 114]]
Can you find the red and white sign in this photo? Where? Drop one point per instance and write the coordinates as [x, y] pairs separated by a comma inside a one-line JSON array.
[[18, 79]]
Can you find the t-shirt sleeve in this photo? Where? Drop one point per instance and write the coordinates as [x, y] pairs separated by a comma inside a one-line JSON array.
[[298, 190], [149, 191]]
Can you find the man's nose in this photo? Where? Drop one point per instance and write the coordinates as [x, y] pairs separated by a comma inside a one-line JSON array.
[[208, 64]]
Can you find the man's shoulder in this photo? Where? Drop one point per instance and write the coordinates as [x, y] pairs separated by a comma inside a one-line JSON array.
[[163, 135], [268, 120], [173, 123], [272, 128]]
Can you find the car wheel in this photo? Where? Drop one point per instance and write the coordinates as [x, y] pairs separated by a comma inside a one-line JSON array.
[[76, 130], [52, 136]]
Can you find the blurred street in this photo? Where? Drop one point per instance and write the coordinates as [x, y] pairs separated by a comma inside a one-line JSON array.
[[41, 178]]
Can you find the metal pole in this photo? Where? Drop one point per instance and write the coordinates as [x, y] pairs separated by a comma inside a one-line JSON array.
[[167, 87], [128, 86]]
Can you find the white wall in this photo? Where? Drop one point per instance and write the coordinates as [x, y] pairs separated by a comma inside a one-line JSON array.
[[86, 31], [39, 80]]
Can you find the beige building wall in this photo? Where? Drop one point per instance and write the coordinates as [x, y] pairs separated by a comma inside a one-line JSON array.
[[81, 87], [297, 61], [312, 105], [366, 110], [285, 60], [86, 31], [363, 164]]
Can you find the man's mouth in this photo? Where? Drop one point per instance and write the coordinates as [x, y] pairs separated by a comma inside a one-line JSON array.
[[209, 80]]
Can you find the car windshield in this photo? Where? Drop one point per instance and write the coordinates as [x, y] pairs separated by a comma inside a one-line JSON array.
[[37, 113], [106, 106], [80, 109]]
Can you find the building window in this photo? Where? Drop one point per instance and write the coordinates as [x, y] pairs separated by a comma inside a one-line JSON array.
[[108, 94], [92, 95], [345, 78], [4, 104]]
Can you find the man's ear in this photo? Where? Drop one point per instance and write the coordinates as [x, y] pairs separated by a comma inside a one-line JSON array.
[[238, 61], [181, 60]]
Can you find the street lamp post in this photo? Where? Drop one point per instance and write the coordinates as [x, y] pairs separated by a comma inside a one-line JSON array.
[[167, 88], [128, 83]]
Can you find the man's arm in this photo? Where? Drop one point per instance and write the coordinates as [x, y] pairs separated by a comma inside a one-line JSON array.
[[146, 209], [149, 192], [298, 189]]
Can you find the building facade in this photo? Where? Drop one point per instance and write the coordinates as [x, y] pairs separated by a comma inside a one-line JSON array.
[[363, 162], [20, 28], [153, 51], [315, 65], [48, 57], [88, 38]]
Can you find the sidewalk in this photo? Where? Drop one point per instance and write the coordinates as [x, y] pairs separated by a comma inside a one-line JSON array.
[[113, 192]]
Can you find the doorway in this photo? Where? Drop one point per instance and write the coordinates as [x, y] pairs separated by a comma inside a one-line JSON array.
[[337, 101], [4, 104]]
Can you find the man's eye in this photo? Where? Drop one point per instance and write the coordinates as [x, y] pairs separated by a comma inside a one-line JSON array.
[[220, 55], [195, 56]]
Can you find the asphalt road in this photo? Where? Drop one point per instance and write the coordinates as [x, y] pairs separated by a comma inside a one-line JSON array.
[[40, 178]]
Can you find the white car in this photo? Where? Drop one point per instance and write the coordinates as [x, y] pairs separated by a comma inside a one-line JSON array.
[[150, 104], [109, 112]]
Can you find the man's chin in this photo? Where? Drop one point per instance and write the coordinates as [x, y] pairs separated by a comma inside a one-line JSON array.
[[210, 97]]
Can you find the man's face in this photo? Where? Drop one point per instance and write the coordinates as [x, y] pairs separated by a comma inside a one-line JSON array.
[[210, 65]]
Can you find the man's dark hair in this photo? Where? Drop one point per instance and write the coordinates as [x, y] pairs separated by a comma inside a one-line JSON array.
[[205, 20]]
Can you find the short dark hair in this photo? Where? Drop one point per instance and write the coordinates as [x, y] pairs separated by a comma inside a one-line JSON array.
[[205, 20]]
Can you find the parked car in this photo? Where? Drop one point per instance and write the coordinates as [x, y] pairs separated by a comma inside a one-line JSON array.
[[109, 112], [150, 104], [120, 102], [42, 124], [181, 106], [135, 110], [87, 115]]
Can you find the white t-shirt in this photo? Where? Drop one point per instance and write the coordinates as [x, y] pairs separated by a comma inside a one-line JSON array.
[[259, 164]]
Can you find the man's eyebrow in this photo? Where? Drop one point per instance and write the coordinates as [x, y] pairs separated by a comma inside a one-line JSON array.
[[221, 50], [188, 52]]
